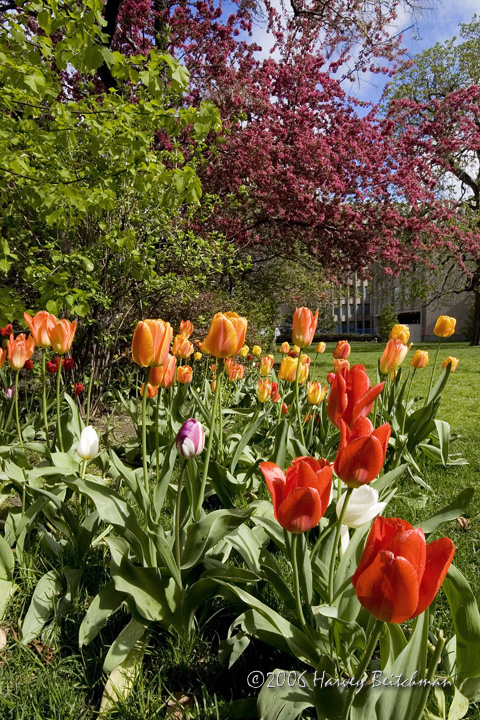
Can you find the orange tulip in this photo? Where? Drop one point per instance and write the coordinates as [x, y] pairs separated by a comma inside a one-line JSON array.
[[226, 335], [266, 365], [229, 363], [151, 342], [164, 375], [445, 326], [19, 350], [340, 365], [182, 347], [3, 357], [285, 348], [61, 336], [342, 351], [264, 390], [152, 391], [236, 373], [393, 356], [452, 360], [304, 326], [41, 326], [320, 348], [419, 359], [186, 328], [400, 332], [315, 393], [184, 374]]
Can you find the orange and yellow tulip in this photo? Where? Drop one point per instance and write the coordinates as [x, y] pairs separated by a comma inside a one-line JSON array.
[[182, 347], [445, 326], [285, 348], [61, 335], [449, 360], [226, 335], [315, 393], [340, 364], [19, 350], [151, 342], [288, 369], [320, 347], [236, 372], [186, 328], [264, 390], [164, 375], [184, 374], [152, 391], [304, 326], [266, 365], [3, 357], [41, 326], [400, 332], [342, 351], [393, 356], [419, 359]]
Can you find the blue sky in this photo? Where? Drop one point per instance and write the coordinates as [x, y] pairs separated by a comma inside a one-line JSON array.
[[434, 25]]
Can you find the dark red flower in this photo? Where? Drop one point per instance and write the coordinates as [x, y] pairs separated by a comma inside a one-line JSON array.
[[52, 366], [7, 330], [398, 574], [28, 365], [78, 389], [249, 356], [68, 363]]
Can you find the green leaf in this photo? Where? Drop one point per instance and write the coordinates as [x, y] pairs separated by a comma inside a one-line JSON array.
[[123, 644], [42, 606], [106, 603], [282, 696], [450, 512], [203, 535]]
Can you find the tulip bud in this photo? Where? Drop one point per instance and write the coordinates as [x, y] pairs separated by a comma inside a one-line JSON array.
[[190, 439], [452, 361], [264, 390], [445, 326], [68, 363], [342, 351], [88, 444], [182, 347], [304, 326], [9, 392], [393, 356], [256, 350], [7, 330], [320, 347], [400, 332], [296, 350], [249, 356], [244, 351], [28, 365], [285, 408], [362, 507], [78, 388], [152, 391], [285, 348], [266, 365], [197, 356], [52, 366], [184, 374], [419, 359]]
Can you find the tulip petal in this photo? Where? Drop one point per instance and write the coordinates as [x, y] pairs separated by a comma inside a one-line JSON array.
[[275, 479], [142, 345], [388, 588], [300, 510], [364, 404], [360, 461], [410, 544], [362, 428], [337, 400], [382, 434], [439, 557], [379, 537]]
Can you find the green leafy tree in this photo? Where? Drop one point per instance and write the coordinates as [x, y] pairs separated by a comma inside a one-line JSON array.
[[386, 320]]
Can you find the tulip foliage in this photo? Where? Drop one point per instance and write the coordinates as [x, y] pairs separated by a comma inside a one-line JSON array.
[[263, 480]]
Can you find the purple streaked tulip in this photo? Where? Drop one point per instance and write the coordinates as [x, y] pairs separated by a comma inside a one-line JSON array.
[[190, 440], [9, 393]]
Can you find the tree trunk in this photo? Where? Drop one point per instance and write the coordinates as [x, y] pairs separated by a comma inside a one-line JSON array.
[[476, 318]]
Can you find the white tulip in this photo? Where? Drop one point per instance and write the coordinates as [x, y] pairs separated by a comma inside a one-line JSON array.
[[362, 507], [88, 445]]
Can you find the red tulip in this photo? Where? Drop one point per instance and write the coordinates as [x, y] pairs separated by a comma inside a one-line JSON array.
[[7, 330], [399, 574], [52, 367], [78, 389], [28, 365], [361, 452], [300, 497], [68, 363], [351, 396], [342, 351]]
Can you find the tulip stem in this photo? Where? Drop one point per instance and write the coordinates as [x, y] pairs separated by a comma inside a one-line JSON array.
[[435, 659], [433, 373], [17, 373], [59, 430], [367, 656], [218, 388], [44, 394], [297, 398], [144, 431], [220, 434], [336, 542], [407, 399], [177, 514], [157, 443], [296, 579], [89, 397]]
